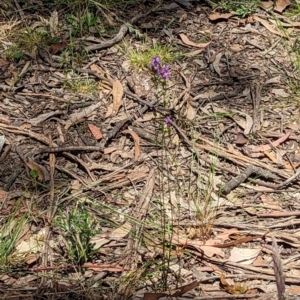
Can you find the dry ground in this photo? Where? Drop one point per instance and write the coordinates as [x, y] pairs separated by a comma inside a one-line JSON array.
[[116, 186]]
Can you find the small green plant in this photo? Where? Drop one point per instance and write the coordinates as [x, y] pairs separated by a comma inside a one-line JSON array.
[[78, 228], [10, 233], [34, 174], [140, 59], [84, 24], [28, 41], [240, 8], [81, 86], [73, 56], [294, 11]]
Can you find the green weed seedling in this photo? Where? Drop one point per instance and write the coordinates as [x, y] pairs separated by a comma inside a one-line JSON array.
[[85, 23], [29, 42], [78, 228], [140, 59], [240, 8], [81, 86], [10, 233]]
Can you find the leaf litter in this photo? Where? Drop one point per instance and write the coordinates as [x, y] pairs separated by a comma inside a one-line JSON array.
[[185, 208]]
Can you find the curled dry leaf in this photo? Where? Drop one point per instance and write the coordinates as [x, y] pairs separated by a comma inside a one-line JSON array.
[[136, 139], [268, 26], [95, 131], [219, 16], [43, 174], [57, 48], [190, 112], [266, 4], [240, 139], [230, 288], [263, 148], [244, 256], [96, 69], [109, 150], [121, 232], [117, 93], [188, 42], [280, 93]]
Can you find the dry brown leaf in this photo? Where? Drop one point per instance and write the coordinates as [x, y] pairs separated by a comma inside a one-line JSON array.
[[137, 150], [193, 53], [96, 69], [236, 48], [186, 41], [280, 93], [95, 131], [3, 62], [241, 139], [266, 4], [263, 148], [219, 16], [281, 5], [103, 267], [117, 93], [190, 112], [43, 174], [121, 232], [146, 117], [109, 150], [268, 26], [271, 156], [109, 111], [232, 289], [244, 256], [57, 48], [2, 195]]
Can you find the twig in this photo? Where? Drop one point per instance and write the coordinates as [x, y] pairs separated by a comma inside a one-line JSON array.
[[119, 36], [278, 269], [70, 149], [236, 181], [289, 180]]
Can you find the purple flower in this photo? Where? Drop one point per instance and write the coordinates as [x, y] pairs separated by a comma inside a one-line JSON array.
[[168, 121], [163, 72], [155, 62]]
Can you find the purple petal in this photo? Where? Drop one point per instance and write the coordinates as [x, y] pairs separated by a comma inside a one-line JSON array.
[[155, 62], [168, 121]]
